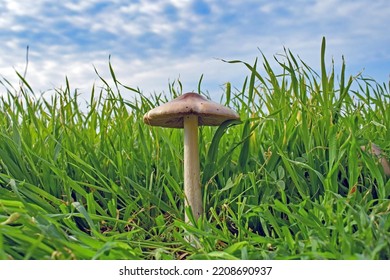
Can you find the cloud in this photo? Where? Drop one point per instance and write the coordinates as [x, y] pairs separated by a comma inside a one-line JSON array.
[[153, 42]]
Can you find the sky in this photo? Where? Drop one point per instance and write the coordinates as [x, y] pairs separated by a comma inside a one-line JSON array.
[[153, 43]]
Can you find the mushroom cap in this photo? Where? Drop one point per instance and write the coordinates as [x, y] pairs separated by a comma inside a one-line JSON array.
[[171, 114]]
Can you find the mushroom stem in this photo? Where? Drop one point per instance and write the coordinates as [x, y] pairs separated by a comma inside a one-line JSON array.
[[192, 188]]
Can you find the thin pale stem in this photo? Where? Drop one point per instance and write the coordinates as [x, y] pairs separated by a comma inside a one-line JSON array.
[[192, 188]]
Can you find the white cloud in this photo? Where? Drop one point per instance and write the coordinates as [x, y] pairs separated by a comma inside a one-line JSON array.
[[25, 8], [79, 6], [149, 46]]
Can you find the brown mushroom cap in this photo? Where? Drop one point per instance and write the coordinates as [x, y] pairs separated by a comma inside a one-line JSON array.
[[171, 114]]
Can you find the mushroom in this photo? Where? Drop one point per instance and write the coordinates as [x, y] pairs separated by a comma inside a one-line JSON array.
[[188, 111]]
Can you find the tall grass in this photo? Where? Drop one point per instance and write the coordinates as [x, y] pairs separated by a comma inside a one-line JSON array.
[[88, 180]]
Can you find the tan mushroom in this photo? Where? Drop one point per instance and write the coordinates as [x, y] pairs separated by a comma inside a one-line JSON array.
[[188, 111]]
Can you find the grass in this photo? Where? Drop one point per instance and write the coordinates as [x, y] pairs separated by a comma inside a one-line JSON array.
[[89, 180]]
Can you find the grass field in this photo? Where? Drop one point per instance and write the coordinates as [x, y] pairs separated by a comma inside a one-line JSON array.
[[89, 180]]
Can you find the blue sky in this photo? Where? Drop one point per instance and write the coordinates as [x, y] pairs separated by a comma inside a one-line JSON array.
[[152, 43]]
